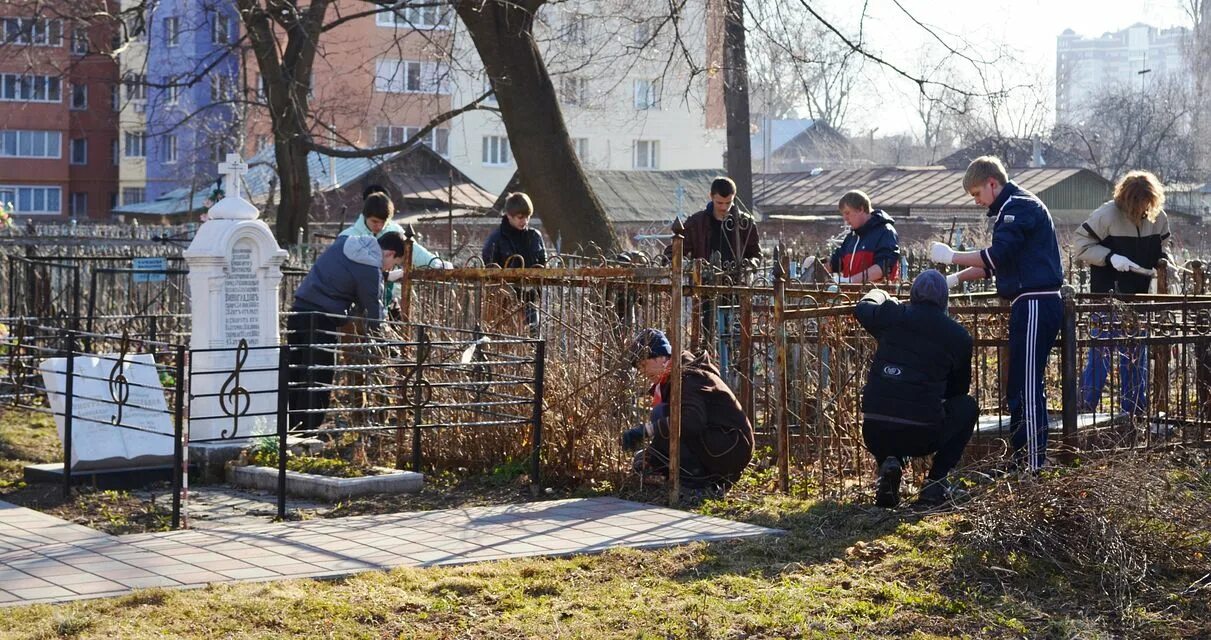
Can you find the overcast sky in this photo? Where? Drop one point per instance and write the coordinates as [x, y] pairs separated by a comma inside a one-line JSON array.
[[1030, 26]]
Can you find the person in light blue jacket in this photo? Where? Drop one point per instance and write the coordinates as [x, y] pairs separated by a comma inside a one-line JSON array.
[[375, 220]]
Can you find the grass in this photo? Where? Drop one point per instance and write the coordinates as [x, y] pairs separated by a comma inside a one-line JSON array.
[[843, 570]]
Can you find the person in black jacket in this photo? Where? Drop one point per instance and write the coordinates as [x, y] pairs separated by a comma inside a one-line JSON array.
[[915, 401], [716, 436], [514, 245]]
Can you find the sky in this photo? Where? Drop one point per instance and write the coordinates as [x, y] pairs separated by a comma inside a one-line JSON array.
[[1029, 26]]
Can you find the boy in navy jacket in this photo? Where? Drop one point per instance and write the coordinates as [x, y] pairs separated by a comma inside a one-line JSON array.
[[1025, 259]]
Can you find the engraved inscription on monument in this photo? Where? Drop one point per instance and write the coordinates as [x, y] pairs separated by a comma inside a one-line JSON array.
[[241, 292]]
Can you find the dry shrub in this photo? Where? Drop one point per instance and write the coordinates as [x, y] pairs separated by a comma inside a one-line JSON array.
[[1133, 527]]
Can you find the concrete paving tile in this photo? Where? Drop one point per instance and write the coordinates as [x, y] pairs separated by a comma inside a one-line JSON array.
[[95, 586], [148, 582], [199, 577], [250, 573], [39, 593]]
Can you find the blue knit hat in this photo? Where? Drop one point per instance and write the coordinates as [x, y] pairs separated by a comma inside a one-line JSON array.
[[930, 287], [650, 343]]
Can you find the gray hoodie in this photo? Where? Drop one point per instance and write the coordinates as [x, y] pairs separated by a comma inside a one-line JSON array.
[[349, 271]]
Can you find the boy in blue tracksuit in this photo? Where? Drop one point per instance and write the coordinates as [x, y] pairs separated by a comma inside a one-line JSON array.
[[1025, 258]]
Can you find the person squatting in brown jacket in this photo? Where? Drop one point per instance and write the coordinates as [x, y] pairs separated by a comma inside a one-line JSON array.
[[716, 436]]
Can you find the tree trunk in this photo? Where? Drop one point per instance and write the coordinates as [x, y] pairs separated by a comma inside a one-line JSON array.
[[546, 162], [735, 98]]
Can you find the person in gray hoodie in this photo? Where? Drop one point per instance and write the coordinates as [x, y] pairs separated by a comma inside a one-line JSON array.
[[348, 273]]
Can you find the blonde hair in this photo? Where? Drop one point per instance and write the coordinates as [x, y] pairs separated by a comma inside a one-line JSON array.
[[983, 168], [855, 200], [518, 202], [1139, 195]]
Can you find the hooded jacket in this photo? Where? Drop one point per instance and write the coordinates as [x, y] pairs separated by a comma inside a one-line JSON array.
[[702, 238], [348, 272], [713, 425], [1025, 255], [507, 241], [874, 243], [1109, 231], [421, 257], [923, 358]]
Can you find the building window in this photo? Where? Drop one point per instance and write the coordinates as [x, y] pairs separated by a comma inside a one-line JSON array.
[[39, 32], [573, 91], [172, 32], [647, 154], [113, 200], [436, 139], [79, 151], [431, 17], [263, 141], [115, 97], [647, 94], [496, 151], [29, 88], [79, 42], [172, 91], [32, 200], [221, 34], [490, 90], [115, 152], [168, 149], [136, 144], [262, 91], [136, 87], [79, 204], [30, 144], [575, 29], [645, 30], [79, 97], [222, 87], [409, 76], [581, 145], [133, 195]]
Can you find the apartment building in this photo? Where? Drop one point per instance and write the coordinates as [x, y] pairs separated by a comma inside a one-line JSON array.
[[132, 114], [58, 124]]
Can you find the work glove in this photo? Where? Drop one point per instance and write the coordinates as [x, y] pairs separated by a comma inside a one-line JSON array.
[[840, 279], [941, 253], [632, 438], [395, 275], [1122, 263], [952, 280]]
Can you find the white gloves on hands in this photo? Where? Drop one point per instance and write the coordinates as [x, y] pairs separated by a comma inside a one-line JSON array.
[[941, 253], [395, 275], [1122, 263], [840, 279], [952, 280]]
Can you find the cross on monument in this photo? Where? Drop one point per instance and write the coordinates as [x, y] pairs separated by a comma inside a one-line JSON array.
[[233, 172]]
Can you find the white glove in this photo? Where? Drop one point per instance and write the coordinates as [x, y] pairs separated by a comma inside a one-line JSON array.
[[840, 279], [395, 275], [952, 280], [941, 253], [808, 263], [1122, 263]]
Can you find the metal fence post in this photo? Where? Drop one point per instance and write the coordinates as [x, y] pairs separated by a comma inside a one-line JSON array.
[[405, 283], [179, 457], [780, 373], [418, 391], [1068, 372], [68, 395], [283, 424], [540, 365], [675, 321]]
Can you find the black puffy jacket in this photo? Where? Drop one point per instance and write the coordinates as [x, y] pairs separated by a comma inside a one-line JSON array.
[[507, 242], [923, 358]]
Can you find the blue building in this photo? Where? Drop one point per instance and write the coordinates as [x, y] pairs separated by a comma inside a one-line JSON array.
[[193, 114]]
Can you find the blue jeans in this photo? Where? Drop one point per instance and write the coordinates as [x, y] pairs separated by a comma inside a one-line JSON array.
[[1133, 372]]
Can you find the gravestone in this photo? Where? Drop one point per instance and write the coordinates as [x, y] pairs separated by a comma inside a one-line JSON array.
[[115, 423], [234, 280]]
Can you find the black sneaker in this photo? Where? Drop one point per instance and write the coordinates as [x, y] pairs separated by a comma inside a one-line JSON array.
[[934, 493], [888, 492]]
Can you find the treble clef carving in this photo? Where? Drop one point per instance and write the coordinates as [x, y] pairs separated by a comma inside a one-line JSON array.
[[233, 392], [119, 387]]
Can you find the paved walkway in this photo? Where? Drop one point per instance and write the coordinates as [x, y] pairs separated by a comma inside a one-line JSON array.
[[44, 559]]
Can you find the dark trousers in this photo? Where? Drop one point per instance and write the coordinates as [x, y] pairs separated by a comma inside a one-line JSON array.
[[311, 372], [946, 441], [1034, 324]]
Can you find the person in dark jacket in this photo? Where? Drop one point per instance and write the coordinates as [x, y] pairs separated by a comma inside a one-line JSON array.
[[721, 228], [346, 274], [716, 436], [916, 400], [514, 245], [1120, 241], [1025, 259], [871, 250]]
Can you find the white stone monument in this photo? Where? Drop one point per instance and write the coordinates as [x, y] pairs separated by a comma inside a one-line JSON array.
[[234, 280], [116, 423]]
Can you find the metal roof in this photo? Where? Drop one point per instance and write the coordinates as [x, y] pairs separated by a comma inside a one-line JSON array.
[[652, 196], [888, 187], [175, 202], [780, 132]]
